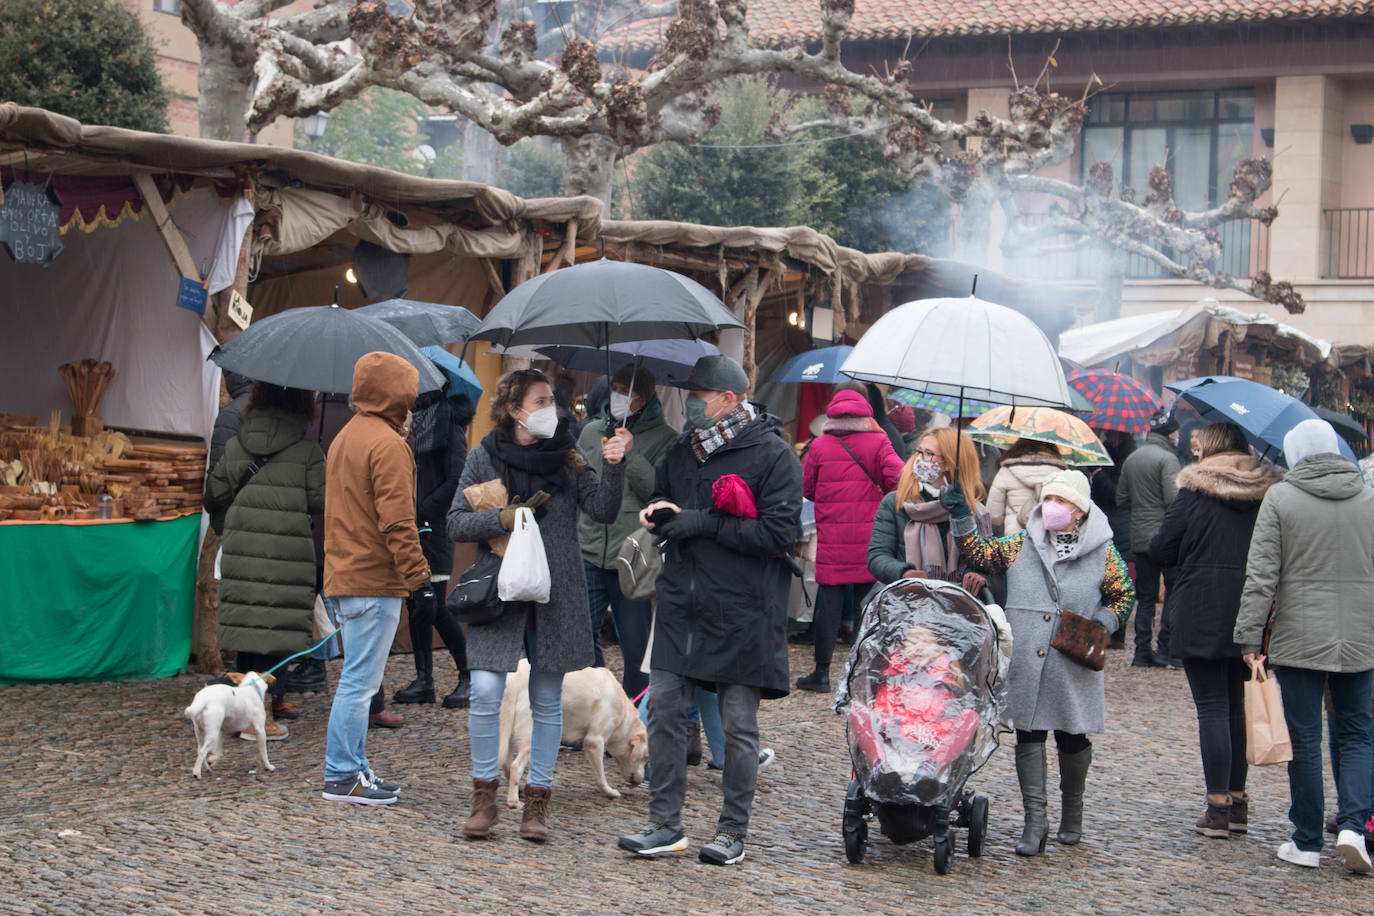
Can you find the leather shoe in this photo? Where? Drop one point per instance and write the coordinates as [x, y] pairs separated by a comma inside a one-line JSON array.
[[386, 719]]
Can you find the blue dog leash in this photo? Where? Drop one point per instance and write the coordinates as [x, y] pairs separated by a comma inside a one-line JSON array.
[[257, 685]]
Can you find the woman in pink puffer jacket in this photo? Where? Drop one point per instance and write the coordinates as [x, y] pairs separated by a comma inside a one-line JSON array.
[[847, 471]]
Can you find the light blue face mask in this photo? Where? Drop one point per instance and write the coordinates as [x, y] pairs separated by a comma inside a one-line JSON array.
[[695, 408]]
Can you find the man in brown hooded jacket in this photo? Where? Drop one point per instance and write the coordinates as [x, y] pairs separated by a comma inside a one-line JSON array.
[[372, 560]]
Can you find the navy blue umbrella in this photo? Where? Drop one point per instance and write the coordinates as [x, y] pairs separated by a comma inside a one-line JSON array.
[[1263, 414], [664, 358], [821, 365]]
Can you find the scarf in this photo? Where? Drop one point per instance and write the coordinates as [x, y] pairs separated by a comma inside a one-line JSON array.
[[526, 469], [925, 549], [706, 441], [1063, 543]]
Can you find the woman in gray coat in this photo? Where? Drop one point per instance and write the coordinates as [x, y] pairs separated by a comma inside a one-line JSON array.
[[533, 453], [1064, 560], [1313, 551]]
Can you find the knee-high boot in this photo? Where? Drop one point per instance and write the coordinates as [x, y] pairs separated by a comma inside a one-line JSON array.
[[1073, 776], [420, 623], [1030, 772]]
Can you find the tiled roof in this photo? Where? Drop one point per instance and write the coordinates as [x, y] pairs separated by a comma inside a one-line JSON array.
[[782, 21]]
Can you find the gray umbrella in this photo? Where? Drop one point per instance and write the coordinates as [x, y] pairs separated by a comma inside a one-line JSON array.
[[316, 349], [604, 302], [425, 323]]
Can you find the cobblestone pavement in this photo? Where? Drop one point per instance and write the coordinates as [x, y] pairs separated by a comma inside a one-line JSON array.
[[101, 815]]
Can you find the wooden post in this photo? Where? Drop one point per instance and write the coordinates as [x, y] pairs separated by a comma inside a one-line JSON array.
[[171, 236]]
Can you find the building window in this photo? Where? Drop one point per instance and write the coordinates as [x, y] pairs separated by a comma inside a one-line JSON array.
[[171, 7], [1199, 136]]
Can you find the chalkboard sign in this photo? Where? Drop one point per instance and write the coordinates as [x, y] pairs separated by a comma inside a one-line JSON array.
[[29, 223]]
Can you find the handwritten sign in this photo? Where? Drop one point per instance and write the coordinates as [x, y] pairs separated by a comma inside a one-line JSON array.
[[29, 223], [240, 312], [192, 295]]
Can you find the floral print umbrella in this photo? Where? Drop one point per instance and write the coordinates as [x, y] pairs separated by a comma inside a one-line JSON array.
[[1077, 443]]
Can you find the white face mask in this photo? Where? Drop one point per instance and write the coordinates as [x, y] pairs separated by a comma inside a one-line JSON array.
[[543, 423], [620, 405]]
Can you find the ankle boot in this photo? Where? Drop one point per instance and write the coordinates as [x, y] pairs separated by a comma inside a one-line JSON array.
[[534, 825], [694, 742], [1073, 775], [462, 694], [1030, 772], [817, 681], [484, 809], [420, 624]]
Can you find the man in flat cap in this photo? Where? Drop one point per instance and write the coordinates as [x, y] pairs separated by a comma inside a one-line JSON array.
[[722, 597]]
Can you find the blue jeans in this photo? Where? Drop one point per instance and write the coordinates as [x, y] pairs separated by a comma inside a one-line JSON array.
[[484, 724], [632, 622], [1302, 710], [369, 625], [706, 709]]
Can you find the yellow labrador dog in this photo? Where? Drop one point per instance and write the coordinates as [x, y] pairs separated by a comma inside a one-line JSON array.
[[596, 713], [220, 706]]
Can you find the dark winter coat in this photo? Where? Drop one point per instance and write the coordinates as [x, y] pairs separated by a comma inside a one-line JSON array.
[[562, 629], [1148, 483], [267, 586], [226, 427], [1103, 488], [1206, 537], [600, 542], [1313, 550], [847, 471], [722, 594], [437, 471]]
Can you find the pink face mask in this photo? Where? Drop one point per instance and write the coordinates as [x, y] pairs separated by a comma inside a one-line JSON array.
[[1057, 516]]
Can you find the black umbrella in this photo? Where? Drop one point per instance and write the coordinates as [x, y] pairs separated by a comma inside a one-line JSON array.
[[604, 302], [1349, 428], [316, 349], [425, 323]]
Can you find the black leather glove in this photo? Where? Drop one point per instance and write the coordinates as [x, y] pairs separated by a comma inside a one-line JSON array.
[[953, 500], [689, 523]]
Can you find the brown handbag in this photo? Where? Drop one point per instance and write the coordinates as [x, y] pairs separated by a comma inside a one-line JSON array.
[[1083, 640]]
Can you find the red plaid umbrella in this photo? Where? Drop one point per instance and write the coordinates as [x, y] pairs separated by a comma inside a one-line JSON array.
[[1122, 403]]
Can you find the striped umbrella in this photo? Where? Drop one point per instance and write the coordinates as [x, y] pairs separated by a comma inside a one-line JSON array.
[[1121, 403]]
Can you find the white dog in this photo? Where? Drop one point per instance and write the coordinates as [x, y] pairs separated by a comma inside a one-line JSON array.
[[596, 713], [220, 706]]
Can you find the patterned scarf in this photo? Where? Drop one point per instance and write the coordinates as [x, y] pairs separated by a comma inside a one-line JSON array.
[[1064, 543], [706, 441]]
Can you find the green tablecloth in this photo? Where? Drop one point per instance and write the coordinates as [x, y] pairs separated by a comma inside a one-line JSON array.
[[96, 602]]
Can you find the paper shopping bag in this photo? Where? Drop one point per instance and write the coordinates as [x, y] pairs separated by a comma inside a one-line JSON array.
[[1266, 732]]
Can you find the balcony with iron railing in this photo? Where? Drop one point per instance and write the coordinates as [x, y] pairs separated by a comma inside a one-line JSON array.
[[1349, 236], [1244, 253]]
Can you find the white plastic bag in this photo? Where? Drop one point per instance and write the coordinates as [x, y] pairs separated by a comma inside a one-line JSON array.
[[524, 570]]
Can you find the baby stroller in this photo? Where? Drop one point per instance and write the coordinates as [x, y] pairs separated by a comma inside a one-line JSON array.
[[924, 693]]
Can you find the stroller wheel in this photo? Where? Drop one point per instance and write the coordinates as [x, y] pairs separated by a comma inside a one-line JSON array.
[[854, 826], [977, 825], [944, 853], [855, 831]]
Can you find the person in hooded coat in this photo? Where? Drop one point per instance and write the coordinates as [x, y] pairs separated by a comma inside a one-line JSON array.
[[266, 484], [722, 600], [847, 471], [372, 561], [1312, 559], [1063, 560], [1206, 536]]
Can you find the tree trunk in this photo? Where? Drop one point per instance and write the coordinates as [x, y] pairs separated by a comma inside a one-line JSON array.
[[1111, 280], [225, 93], [589, 166]]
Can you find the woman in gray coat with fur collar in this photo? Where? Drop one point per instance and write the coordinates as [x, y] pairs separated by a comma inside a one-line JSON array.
[[1064, 560], [533, 453]]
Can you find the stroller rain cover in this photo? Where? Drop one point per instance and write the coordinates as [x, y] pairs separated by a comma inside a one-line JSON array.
[[924, 693]]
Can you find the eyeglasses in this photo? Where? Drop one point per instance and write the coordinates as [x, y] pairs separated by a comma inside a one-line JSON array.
[[928, 455]]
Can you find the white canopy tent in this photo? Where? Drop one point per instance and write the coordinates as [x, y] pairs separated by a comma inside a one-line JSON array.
[[111, 295]]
